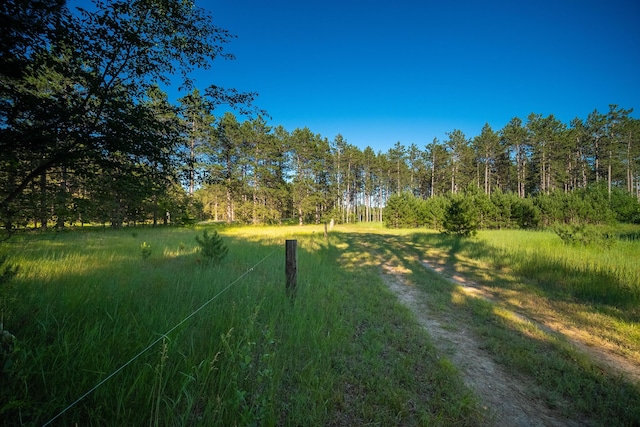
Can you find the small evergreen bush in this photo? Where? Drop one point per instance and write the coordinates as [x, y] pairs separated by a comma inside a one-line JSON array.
[[582, 235], [525, 213], [145, 250], [462, 217], [212, 248], [434, 210], [402, 211]]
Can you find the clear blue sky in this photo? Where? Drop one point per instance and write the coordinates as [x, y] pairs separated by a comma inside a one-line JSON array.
[[378, 72]]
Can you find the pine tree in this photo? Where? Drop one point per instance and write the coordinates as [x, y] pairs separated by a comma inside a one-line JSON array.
[[212, 248], [461, 217]]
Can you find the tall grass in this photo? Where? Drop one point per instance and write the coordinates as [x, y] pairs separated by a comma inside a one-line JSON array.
[[93, 304], [599, 275], [586, 293]]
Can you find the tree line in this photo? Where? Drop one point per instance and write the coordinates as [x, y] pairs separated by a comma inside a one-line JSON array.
[[280, 174], [87, 135]]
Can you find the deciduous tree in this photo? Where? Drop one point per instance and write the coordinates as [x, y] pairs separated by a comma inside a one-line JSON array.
[[78, 82]]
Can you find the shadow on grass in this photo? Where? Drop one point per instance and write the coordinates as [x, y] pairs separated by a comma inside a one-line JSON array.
[[632, 235], [565, 379], [546, 277], [572, 382]]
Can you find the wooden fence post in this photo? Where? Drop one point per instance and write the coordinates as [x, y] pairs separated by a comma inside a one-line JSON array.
[[291, 267]]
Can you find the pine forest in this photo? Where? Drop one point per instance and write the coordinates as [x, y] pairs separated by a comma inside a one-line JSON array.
[[88, 136]]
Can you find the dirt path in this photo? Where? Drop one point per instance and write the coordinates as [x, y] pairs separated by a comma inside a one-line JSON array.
[[601, 354], [506, 397]]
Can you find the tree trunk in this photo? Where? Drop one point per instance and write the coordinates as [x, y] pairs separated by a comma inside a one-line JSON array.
[[63, 190], [597, 160], [191, 166], [542, 173], [487, 189], [524, 178], [453, 179], [348, 194], [229, 205], [433, 175], [629, 161], [155, 210], [609, 174], [43, 201], [380, 202]]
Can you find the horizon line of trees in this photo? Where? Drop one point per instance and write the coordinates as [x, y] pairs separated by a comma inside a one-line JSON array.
[[88, 136], [472, 209], [250, 172], [282, 175]]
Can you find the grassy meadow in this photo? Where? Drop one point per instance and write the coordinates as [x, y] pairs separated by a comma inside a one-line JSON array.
[[343, 353], [173, 341], [539, 295]]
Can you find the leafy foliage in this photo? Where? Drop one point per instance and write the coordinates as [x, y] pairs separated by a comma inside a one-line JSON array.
[[434, 209], [80, 108], [212, 248], [525, 213], [625, 206], [507, 210], [87, 135]]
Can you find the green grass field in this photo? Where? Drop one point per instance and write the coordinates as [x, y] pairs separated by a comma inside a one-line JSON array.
[[91, 308], [84, 304]]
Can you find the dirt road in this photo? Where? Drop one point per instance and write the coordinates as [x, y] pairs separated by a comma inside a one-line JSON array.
[[505, 396]]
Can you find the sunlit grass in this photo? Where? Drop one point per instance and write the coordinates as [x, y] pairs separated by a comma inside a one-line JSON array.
[[584, 293], [87, 303], [596, 289], [524, 249], [344, 352]]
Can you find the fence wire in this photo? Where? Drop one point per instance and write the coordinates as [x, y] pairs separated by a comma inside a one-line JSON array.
[[114, 373]]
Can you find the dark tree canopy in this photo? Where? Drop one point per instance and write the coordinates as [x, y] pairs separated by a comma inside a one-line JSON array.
[[75, 88]]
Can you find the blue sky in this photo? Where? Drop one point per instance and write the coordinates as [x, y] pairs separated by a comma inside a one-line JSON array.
[[379, 72]]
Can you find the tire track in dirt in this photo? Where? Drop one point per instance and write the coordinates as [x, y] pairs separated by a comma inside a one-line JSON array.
[[603, 356], [506, 397]]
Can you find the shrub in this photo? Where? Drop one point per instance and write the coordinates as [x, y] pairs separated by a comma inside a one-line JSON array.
[[488, 213], [525, 213], [551, 207], [434, 210], [625, 206], [581, 234], [461, 217], [212, 248], [145, 250], [503, 217], [596, 207], [402, 211]]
